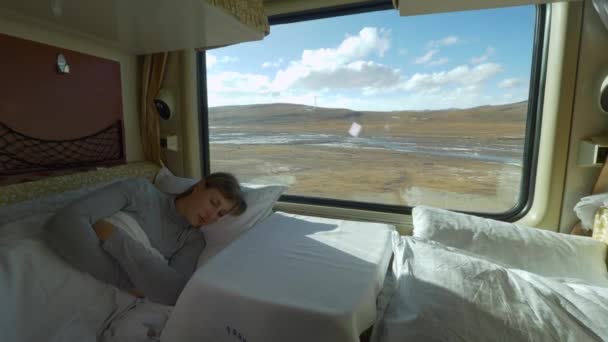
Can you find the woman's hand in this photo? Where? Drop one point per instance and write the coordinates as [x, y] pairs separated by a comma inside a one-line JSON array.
[[578, 230], [137, 293], [103, 229]]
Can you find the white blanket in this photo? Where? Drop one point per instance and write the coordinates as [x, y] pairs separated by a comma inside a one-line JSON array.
[[42, 297], [290, 278]]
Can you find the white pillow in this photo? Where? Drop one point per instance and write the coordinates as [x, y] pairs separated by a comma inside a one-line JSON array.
[[539, 251], [259, 199], [445, 294], [586, 208], [168, 183]]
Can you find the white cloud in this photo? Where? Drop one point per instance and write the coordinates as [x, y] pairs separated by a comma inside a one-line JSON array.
[[344, 76], [439, 61], [285, 78], [402, 52], [213, 61], [321, 66], [354, 75], [461, 75], [228, 59], [273, 64], [342, 67], [510, 83], [369, 40], [464, 96], [426, 57], [430, 99], [447, 41], [234, 82], [480, 59], [224, 99]]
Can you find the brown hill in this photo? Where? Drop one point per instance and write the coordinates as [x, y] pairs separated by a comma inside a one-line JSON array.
[[503, 121]]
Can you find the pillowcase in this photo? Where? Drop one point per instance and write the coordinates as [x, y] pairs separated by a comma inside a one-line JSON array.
[[218, 235], [446, 294], [538, 251], [168, 183]]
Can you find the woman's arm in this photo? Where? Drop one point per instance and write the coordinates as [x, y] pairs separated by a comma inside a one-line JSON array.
[[103, 229], [108, 200], [155, 279], [71, 230]]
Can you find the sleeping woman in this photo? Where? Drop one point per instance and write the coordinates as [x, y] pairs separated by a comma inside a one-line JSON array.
[[80, 234]]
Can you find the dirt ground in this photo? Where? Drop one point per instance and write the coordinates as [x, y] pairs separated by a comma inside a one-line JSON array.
[[379, 176]]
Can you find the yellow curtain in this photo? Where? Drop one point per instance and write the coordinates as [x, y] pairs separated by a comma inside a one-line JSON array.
[[153, 75]]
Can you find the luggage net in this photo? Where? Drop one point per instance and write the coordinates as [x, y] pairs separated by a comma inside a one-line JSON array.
[[20, 153]]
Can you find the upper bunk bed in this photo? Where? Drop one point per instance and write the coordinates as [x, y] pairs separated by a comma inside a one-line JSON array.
[[144, 27]]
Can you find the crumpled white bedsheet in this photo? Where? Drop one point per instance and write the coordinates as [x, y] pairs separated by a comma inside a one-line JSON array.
[[42, 297], [446, 294], [141, 321]]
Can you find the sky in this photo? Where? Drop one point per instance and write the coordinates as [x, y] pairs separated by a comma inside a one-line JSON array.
[[380, 61]]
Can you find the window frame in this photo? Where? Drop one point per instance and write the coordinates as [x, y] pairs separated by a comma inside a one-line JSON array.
[[533, 118]]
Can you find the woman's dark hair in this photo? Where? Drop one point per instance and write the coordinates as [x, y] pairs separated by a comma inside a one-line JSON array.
[[229, 187], [227, 184]]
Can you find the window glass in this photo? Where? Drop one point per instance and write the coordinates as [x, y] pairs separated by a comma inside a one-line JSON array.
[[378, 108]]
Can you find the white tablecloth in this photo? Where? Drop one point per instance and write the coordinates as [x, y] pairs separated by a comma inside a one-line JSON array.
[[290, 278]]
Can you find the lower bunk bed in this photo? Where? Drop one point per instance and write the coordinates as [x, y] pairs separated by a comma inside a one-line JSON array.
[[286, 278]]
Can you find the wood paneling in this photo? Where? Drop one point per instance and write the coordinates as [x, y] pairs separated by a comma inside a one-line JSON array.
[[53, 122]]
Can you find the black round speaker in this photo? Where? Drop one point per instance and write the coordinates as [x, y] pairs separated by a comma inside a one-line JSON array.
[[604, 95], [604, 99], [164, 111], [601, 6]]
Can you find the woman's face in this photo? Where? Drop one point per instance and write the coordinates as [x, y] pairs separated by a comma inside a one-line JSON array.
[[206, 205]]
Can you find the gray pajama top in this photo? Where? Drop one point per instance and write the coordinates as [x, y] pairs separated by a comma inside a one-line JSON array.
[[167, 230]]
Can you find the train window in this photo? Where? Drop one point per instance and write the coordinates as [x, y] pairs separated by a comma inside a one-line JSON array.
[[373, 110]]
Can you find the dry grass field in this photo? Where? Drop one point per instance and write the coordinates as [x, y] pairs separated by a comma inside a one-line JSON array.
[[376, 175]]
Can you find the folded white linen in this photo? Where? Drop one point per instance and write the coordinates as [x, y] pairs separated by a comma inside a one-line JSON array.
[[446, 294], [587, 206], [538, 251]]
